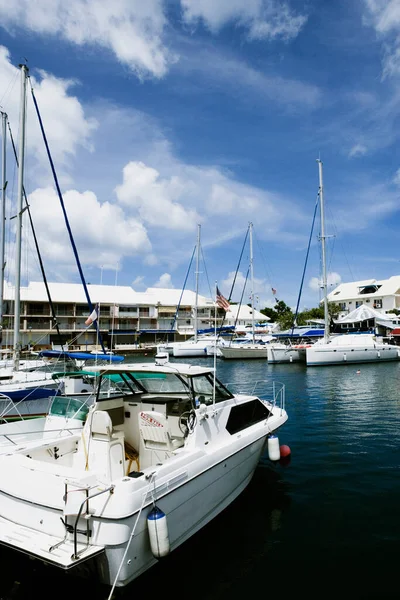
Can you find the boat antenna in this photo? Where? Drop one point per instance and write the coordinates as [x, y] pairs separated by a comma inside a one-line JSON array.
[[66, 220], [323, 238]]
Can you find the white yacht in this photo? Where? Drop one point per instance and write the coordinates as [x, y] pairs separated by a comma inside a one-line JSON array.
[[147, 471], [351, 348]]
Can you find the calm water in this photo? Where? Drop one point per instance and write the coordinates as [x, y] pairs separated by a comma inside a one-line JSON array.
[[325, 526]]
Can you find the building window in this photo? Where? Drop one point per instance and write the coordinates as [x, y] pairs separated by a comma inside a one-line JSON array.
[[377, 303]]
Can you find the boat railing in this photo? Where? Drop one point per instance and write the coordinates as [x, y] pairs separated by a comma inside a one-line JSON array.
[[74, 528], [25, 434], [261, 388]]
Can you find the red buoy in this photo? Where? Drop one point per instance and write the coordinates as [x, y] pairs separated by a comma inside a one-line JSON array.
[[285, 451]]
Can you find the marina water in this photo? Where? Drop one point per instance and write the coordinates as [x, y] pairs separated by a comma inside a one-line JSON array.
[[325, 525]]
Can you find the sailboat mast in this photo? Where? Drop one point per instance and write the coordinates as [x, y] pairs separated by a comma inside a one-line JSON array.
[[252, 278], [197, 282], [21, 156], [323, 237], [3, 213]]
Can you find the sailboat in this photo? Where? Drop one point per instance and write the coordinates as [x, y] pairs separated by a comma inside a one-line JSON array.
[[21, 378], [349, 347], [252, 349], [27, 380], [198, 344]]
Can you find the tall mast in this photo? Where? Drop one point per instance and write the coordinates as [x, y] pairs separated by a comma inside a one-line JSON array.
[[323, 237], [3, 214], [252, 278], [197, 281], [21, 156]]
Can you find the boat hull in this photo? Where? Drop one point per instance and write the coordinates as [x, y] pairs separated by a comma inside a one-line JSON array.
[[317, 356], [201, 496], [286, 354], [244, 352]]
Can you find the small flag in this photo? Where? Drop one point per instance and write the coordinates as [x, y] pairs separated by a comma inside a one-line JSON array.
[[92, 317], [221, 301], [273, 291]]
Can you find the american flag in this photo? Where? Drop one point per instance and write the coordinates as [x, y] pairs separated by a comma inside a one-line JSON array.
[[273, 291], [221, 301]]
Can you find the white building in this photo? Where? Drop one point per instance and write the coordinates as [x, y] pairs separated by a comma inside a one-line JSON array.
[[124, 316], [381, 295]]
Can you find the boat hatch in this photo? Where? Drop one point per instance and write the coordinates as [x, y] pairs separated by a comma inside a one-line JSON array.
[[36, 543]]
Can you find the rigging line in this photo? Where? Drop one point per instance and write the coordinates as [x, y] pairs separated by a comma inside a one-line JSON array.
[[237, 268], [10, 87], [241, 300], [234, 281], [180, 298], [53, 312], [205, 269], [66, 218], [305, 262]]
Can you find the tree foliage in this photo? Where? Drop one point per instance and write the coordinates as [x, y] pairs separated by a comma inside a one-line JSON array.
[[284, 316]]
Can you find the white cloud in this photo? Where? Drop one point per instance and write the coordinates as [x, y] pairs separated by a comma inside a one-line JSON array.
[[155, 198], [236, 77], [333, 279], [131, 29], [164, 281], [384, 16], [66, 126], [103, 234], [262, 18], [396, 178], [357, 150]]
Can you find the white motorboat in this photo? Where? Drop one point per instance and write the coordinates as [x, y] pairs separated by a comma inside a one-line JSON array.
[[146, 472], [196, 347]]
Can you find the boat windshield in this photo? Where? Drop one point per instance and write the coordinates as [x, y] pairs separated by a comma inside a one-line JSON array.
[[70, 408], [160, 383], [203, 387]]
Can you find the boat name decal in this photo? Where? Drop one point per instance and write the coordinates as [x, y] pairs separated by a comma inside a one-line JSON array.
[[150, 420]]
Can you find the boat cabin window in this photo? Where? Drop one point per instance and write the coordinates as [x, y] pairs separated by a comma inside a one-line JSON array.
[[203, 388]]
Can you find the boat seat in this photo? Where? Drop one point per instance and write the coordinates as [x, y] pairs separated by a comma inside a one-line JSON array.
[[153, 427], [102, 427]]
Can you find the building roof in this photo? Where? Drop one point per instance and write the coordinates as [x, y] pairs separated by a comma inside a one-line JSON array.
[[344, 291], [120, 295], [74, 292]]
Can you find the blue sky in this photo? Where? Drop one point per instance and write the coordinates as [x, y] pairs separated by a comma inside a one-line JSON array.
[[168, 114]]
